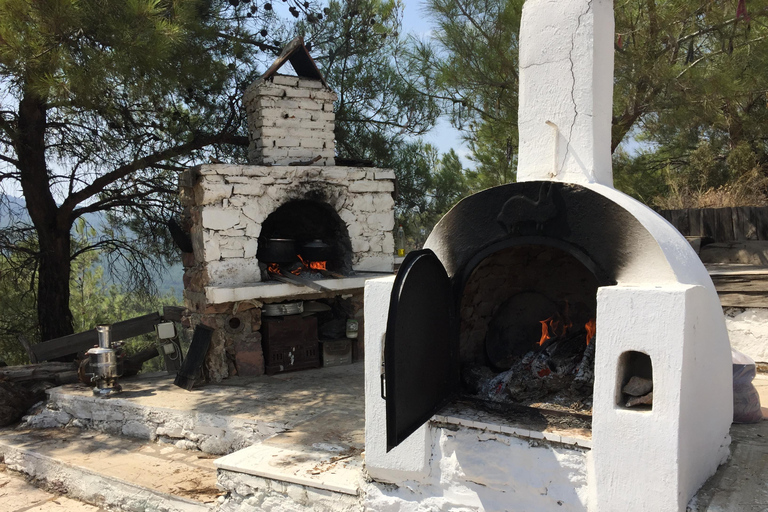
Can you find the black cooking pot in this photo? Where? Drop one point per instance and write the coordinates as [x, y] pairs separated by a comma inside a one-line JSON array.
[[316, 250], [277, 250]]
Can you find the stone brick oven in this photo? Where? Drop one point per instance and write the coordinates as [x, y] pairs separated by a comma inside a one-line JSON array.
[[293, 184], [496, 264]]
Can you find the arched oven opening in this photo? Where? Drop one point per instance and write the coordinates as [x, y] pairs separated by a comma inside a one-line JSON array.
[[307, 238], [527, 323]]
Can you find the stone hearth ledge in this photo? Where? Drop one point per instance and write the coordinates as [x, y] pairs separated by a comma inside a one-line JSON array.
[[273, 290]]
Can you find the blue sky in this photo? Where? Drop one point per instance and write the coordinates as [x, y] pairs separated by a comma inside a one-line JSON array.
[[443, 136]]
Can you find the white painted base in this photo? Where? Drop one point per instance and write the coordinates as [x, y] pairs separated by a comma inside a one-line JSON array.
[[474, 470], [409, 460]]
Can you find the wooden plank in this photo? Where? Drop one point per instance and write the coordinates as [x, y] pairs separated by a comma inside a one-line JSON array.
[[741, 283], [723, 225], [681, 220], [173, 313], [738, 228], [82, 341], [742, 300], [695, 223], [758, 217], [193, 363], [709, 223]]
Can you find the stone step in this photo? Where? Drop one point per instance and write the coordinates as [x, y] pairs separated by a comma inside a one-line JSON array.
[[214, 432], [113, 472]]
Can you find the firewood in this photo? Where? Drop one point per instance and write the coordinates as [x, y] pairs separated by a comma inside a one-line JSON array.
[[638, 386], [640, 400], [34, 372]]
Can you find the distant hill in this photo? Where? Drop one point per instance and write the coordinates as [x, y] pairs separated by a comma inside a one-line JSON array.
[[170, 280]]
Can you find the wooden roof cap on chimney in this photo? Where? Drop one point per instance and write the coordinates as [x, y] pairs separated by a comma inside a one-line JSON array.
[[297, 54]]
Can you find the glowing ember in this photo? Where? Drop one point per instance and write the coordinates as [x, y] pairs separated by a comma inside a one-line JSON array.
[[274, 268], [317, 265], [590, 327], [314, 265]]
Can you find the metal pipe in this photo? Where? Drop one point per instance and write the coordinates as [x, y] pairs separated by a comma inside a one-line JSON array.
[[105, 335]]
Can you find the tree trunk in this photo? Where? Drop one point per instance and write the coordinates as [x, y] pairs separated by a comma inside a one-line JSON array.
[[51, 223]]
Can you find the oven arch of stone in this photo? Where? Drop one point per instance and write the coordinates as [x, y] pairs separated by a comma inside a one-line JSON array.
[[310, 217]]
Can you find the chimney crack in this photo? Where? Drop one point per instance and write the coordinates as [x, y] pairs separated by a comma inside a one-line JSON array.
[[573, 85]]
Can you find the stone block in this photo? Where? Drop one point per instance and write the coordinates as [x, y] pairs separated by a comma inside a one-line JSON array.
[[302, 152], [296, 93], [138, 429], [315, 143], [272, 91], [382, 221], [360, 244], [232, 253], [309, 83], [233, 272], [308, 104], [225, 169], [219, 218], [250, 247], [254, 170], [210, 193], [187, 259], [384, 175], [211, 248], [252, 189], [325, 96], [383, 202], [291, 81], [388, 245], [378, 262], [372, 186], [334, 174]]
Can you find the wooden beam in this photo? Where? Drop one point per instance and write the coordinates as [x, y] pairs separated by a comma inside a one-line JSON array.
[[82, 341], [173, 313]]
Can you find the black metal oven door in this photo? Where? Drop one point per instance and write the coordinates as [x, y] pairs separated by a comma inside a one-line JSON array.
[[421, 346]]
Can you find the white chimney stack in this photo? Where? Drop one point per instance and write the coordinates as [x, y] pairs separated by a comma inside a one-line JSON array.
[[566, 91]]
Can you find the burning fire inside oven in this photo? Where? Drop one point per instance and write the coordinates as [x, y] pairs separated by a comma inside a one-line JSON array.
[[303, 267], [553, 371]]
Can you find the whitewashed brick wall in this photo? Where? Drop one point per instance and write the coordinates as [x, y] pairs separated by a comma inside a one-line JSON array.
[[229, 203], [290, 119]]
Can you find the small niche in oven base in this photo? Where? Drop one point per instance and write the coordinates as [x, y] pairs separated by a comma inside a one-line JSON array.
[[634, 388]]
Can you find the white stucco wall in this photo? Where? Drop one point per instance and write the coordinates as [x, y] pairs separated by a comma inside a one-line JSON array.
[[676, 446]]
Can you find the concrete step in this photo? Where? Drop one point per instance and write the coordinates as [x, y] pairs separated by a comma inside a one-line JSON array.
[[113, 472], [18, 495]]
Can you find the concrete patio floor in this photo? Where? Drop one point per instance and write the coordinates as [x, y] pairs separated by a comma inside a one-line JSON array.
[[320, 439]]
